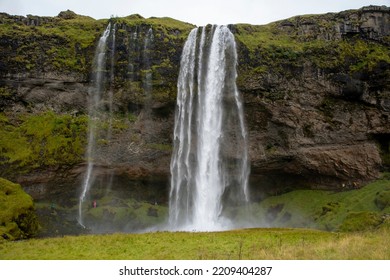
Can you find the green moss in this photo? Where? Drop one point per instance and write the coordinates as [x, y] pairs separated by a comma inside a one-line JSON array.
[[125, 214], [131, 117], [382, 199], [160, 147], [361, 221], [282, 48], [5, 92], [69, 43], [165, 26], [325, 209], [46, 139], [17, 215], [362, 55]]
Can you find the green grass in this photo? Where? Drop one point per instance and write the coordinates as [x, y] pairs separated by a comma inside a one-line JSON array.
[[165, 26], [328, 210], [122, 213], [238, 244], [359, 219]]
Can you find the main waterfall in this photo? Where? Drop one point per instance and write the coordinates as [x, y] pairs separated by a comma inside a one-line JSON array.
[[209, 165]]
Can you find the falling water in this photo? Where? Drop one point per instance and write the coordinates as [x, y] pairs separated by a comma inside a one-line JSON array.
[[209, 165], [95, 96]]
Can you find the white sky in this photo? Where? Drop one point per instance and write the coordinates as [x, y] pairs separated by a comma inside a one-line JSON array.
[[198, 12]]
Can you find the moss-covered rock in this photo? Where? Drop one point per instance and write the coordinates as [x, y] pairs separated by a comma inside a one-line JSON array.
[[17, 213], [351, 210], [382, 199], [361, 221], [41, 141], [115, 214], [68, 48]]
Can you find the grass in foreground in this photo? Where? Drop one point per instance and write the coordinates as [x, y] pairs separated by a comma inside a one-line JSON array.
[[238, 244]]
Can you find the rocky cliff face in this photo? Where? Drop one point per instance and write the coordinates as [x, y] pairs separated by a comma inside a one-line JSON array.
[[316, 92], [317, 97]]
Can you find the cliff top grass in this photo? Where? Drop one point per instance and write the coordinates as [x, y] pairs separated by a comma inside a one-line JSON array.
[[313, 39], [69, 38], [155, 22]]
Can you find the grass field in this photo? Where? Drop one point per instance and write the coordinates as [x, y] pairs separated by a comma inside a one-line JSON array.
[[283, 244], [302, 224], [345, 225]]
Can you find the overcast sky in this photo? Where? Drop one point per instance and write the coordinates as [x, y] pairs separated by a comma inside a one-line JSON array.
[[199, 12]]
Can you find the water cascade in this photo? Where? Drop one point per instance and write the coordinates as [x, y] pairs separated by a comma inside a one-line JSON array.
[[209, 165], [95, 103]]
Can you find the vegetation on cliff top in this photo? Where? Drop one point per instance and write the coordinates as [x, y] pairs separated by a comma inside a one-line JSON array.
[[308, 40], [69, 38], [69, 43]]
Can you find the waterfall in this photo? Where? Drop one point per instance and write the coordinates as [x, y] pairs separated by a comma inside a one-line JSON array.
[[209, 165], [94, 103]]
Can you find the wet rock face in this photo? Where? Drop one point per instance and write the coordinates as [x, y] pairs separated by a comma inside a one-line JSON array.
[[316, 91]]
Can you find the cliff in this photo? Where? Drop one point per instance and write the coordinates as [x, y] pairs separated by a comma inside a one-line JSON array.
[[315, 88], [317, 96]]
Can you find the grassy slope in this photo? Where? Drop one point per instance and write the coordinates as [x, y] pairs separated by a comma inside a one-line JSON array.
[[239, 244], [358, 209]]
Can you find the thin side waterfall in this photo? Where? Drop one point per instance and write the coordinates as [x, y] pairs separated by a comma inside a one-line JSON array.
[[209, 165], [94, 104]]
